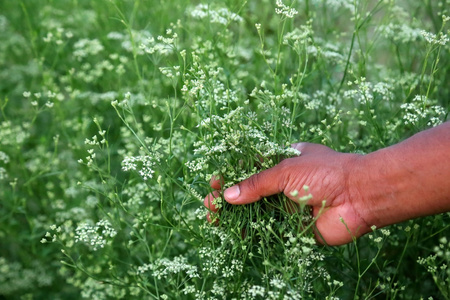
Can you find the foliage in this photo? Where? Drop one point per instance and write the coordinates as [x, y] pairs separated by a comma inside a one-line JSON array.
[[115, 115]]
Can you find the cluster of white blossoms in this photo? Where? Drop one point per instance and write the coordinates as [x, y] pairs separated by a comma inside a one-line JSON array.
[[400, 32], [170, 72], [420, 109], [285, 10], [16, 276], [146, 42], [4, 157], [435, 39], [202, 85], [58, 35], [161, 45], [38, 97], [143, 164], [299, 37], [87, 47], [261, 292], [438, 264], [219, 15], [139, 37], [3, 173], [366, 92], [165, 268], [235, 135], [12, 134], [213, 260], [95, 236]]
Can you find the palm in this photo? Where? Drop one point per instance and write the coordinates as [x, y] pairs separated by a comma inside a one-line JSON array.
[[327, 173]]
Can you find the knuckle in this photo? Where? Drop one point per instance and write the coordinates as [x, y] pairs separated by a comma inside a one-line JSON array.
[[253, 183], [285, 179]]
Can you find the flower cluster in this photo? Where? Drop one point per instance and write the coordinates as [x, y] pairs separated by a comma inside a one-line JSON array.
[[235, 137], [165, 268], [220, 15], [4, 158], [420, 109], [86, 47], [438, 265], [95, 236], [284, 10], [143, 164], [400, 32], [435, 39], [162, 45], [366, 92]]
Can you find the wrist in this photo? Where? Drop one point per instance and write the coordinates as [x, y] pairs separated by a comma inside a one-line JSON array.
[[374, 188], [405, 181], [401, 182]]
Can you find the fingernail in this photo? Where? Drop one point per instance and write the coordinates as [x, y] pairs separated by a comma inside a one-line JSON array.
[[232, 193]]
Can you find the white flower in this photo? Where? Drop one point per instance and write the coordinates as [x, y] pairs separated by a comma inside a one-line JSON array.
[[95, 236], [220, 15], [143, 163], [285, 10], [434, 39]]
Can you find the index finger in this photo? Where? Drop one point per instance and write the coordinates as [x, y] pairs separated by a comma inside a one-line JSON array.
[[217, 182]]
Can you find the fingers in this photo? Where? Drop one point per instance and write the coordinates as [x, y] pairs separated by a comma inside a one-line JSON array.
[[266, 183], [217, 182], [208, 202]]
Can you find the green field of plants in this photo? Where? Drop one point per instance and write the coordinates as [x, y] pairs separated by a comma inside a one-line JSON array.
[[116, 114]]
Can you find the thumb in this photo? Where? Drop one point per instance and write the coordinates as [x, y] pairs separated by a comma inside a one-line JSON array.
[[252, 189]]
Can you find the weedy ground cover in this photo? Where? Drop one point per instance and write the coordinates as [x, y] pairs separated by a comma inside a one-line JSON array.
[[115, 115]]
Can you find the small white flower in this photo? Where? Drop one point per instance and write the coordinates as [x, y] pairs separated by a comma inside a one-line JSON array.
[[285, 10]]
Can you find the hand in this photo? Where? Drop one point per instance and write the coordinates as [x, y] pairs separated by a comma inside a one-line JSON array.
[[401, 182], [329, 176]]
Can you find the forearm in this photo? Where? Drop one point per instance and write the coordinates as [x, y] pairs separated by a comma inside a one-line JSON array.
[[405, 181]]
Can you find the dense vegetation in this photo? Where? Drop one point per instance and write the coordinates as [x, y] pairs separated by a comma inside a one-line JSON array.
[[114, 116]]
